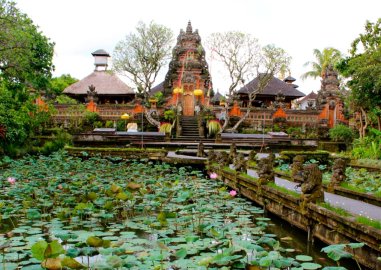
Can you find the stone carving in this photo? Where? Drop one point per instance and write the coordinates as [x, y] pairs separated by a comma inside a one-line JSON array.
[[338, 173], [223, 158], [240, 163], [92, 94], [253, 155], [212, 156], [297, 168], [312, 186], [232, 152], [200, 150], [265, 170]]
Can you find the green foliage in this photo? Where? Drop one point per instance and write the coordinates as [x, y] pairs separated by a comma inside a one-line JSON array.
[[165, 127], [369, 222], [294, 132], [363, 69], [91, 118], [368, 147], [214, 127], [26, 54], [59, 141], [109, 124], [337, 210], [58, 84], [284, 190], [169, 115], [64, 99], [329, 56], [21, 119], [341, 133]]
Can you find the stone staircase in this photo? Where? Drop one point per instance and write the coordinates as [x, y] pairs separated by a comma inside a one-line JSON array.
[[189, 127]]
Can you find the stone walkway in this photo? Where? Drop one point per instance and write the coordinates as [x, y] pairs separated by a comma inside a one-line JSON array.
[[354, 207]]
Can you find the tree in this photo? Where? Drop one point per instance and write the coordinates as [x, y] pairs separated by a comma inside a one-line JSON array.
[[58, 84], [25, 65], [244, 58], [141, 55], [25, 53], [363, 69], [323, 59]]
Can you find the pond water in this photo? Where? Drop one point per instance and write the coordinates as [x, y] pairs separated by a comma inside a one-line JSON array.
[[107, 214]]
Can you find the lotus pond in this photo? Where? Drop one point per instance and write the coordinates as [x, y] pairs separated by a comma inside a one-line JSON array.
[[64, 212]]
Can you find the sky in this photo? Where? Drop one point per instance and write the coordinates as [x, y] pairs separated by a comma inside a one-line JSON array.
[[80, 27]]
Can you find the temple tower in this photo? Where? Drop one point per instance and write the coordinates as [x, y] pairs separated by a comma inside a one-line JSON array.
[[188, 75], [329, 100]]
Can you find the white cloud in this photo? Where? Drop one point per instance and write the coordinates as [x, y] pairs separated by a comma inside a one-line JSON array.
[[298, 26]]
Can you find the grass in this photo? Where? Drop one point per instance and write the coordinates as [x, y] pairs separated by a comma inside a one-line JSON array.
[[110, 149], [370, 222], [337, 210], [353, 188], [284, 190], [226, 168], [250, 177]]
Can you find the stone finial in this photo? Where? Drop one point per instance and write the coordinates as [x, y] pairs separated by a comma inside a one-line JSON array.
[[189, 28]]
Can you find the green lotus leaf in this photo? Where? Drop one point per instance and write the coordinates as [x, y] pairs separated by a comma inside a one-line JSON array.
[[38, 250], [303, 258], [310, 266], [72, 263]]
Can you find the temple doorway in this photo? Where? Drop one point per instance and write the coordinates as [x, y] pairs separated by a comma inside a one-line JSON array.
[[188, 103]]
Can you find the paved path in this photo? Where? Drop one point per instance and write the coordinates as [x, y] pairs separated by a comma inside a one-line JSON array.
[[354, 207]]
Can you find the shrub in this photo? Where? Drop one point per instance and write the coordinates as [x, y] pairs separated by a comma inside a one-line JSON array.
[[165, 127], [341, 133], [109, 124], [64, 99], [59, 141], [169, 115], [91, 118], [214, 127]]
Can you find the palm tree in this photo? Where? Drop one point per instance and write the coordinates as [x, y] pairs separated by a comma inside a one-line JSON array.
[[324, 58]]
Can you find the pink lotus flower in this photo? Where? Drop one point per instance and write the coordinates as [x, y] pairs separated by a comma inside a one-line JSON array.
[[233, 193], [11, 180], [59, 186], [213, 175]]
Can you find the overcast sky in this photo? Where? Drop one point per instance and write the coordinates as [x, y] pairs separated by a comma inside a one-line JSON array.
[[79, 27]]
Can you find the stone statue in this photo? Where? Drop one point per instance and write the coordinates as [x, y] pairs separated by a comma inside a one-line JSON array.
[[297, 168], [338, 173], [233, 152], [312, 186], [253, 155], [265, 170], [200, 150], [223, 158], [240, 163], [212, 156]]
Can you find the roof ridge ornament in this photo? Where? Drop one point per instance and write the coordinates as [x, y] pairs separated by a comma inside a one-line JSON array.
[[189, 28]]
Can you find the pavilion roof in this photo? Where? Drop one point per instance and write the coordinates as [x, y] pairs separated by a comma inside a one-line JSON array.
[[217, 97], [274, 86], [105, 82], [311, 95]]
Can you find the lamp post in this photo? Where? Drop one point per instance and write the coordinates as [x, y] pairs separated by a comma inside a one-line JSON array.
[[125, 117]]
